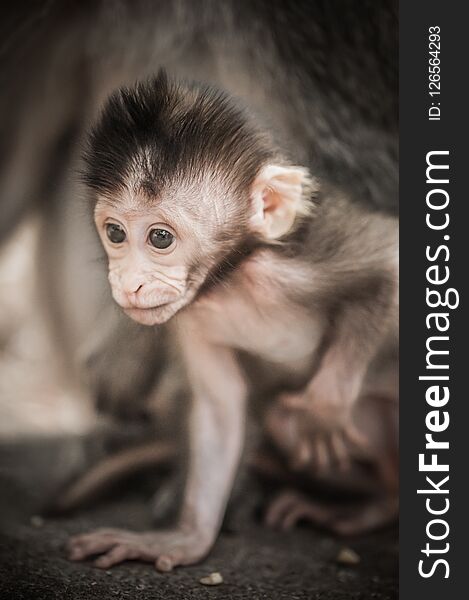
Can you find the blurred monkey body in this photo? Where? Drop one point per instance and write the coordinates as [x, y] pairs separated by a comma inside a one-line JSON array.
[[213, 235]]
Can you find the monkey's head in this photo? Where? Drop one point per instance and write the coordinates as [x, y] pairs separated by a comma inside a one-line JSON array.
[[183, 184]]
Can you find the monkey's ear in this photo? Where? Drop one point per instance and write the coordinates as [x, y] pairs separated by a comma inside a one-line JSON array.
[[279, 194]]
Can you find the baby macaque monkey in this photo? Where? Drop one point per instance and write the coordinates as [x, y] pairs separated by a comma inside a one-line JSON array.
[[210, 231]]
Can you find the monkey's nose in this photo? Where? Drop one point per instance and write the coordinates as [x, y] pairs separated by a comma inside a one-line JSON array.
[[133, 292], [132, 289]]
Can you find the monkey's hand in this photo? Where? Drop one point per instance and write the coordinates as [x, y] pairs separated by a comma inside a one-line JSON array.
[[314, 434], [165, 549]]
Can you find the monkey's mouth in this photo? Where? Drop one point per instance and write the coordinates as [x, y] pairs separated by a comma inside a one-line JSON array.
[[153, 316]]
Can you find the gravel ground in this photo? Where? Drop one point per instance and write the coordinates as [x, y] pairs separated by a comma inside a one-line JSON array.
[[255, 562]]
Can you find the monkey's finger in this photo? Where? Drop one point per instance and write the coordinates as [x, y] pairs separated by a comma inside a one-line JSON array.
[[166, 562], [356, 438], [278, 507], [89, 548], [321, 454], [82, 538], [104, 531], [293, 402], [91, 544], [305, 509], [340, 452], [291, 518], [354, 525], [117, 555], [303, 454]]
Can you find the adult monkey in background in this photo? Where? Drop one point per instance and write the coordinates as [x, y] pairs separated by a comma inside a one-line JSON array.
[[322, 73], [209, 229]]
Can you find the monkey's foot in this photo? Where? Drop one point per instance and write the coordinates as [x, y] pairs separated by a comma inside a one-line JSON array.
[[326, 449], [313, 438], [166, 549], [291, 507]]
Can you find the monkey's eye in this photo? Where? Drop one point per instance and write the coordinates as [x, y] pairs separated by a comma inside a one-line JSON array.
[[161, 239], [115, 233]]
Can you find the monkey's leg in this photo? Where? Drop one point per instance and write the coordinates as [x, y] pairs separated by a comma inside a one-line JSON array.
[[216, 436], [373, 474], [292, 506], [325, 431]]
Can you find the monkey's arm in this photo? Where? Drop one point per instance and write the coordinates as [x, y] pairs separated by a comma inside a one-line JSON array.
[[216, 431], [324, 426], [217, 424]]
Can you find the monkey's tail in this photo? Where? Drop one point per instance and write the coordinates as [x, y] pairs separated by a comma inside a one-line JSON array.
[[128, 461], [109, 471], [112, 469]]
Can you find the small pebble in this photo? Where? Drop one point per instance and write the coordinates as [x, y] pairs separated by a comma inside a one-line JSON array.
[[212, 579], [36, 521], [348, 557]]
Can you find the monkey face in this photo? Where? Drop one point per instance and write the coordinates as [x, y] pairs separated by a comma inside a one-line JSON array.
[[162, 250], [160, 253]]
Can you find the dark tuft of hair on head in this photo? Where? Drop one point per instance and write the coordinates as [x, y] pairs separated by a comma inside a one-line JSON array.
[[161, 130]]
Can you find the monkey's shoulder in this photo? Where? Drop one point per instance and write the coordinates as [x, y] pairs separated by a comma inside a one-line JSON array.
[[260, 311]]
